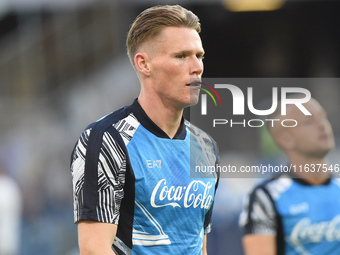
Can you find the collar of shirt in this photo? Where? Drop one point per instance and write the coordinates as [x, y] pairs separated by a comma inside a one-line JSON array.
[[144, 119]]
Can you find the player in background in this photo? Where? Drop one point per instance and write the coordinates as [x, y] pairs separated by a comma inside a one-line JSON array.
[[133, 189], [297, 212], [10, 214]]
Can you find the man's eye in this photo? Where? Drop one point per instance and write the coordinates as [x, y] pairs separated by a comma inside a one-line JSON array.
[[181, 56], [200, 56]]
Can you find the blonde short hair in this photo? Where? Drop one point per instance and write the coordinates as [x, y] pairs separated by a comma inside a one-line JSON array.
[[152, 20]]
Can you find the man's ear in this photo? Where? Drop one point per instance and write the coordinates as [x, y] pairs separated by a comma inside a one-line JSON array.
[[142, 63]]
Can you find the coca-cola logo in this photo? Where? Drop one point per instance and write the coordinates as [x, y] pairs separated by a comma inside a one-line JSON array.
[[196, 194], [307, 232]]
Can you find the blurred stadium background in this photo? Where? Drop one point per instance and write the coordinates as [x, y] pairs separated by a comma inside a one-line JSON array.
[[63, 64]]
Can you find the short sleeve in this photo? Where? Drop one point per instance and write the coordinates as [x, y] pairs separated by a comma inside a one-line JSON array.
[[258, 215], [98, 174], [208, 220]]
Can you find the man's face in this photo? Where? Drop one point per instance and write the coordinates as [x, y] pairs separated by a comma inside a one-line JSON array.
[[313, 135], [175, 60]]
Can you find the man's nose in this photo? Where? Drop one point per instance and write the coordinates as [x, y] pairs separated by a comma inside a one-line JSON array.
[[196, 66]]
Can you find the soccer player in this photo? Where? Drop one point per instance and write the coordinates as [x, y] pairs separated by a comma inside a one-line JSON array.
[[297, 212], [10, 214], [134, 192]]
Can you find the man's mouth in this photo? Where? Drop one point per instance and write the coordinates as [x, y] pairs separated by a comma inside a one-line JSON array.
[[195, 84]]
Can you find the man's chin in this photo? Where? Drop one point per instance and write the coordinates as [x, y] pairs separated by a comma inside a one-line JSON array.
[[194, 98], [193, 101], [321, 153]]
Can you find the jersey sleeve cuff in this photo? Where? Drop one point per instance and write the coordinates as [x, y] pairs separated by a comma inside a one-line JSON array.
[[207, 229]]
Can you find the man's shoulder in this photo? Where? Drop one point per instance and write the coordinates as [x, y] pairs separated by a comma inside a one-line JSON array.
[[274, 186], [115, 124], [196, 131], [110, 119]]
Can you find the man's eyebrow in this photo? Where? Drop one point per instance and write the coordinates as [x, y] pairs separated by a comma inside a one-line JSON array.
[[188, 52], [202, 52]]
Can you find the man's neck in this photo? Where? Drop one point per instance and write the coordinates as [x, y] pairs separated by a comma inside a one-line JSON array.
[[314, 172], [165, 117]]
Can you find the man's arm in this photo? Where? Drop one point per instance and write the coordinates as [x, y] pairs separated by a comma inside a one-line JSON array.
[[97, 219], [96, 238], [258, 224], [204, 247], [259, 244]]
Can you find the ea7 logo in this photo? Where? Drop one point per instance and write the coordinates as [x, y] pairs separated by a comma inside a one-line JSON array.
[[154, 163]]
